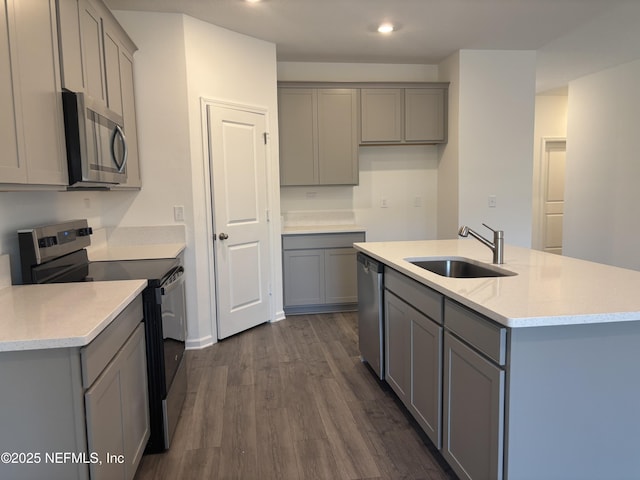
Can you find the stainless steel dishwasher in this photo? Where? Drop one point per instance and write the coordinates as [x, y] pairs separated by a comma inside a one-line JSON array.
[[370, 313]]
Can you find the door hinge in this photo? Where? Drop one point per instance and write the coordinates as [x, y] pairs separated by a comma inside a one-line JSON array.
[[268, 215], [265, 136]]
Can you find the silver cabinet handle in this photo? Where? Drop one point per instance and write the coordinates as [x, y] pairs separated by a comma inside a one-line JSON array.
[[119, 133], [223, 236]]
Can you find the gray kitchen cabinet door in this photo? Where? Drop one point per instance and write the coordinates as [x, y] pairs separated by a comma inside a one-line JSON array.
[[134, 177], [424, 112], [426, 375], [341, 285], [36, 74], [111, 45], [135, 401], [318, 136], [337, 136], [12, 169], [397, 346], [473, 420], [381, 115], [92, 51], [70, 38], [304, 275], [104, 423], [117, 412], [297, 118]]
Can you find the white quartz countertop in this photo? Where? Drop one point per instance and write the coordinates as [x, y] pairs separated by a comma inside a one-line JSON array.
[[61, 315], [548, 290]]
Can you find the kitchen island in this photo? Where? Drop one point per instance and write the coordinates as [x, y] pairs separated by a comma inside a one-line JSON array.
[[528, 376]]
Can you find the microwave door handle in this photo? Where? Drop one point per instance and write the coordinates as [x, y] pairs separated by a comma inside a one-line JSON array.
[[119, 133]]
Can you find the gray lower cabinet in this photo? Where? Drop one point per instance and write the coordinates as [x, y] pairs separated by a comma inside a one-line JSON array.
[[473, 412], [413, 346], [116, 408], [397, 345], [474, 393], [320, 272], [555, 402], [78, 413]]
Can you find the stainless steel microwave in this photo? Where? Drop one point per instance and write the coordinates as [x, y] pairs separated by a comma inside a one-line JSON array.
[[95, 140]]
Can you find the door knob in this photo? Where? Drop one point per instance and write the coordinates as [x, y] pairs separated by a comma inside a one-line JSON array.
[[223, 236]]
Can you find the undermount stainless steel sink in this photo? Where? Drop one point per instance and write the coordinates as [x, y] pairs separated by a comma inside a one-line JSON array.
[[457, 267]]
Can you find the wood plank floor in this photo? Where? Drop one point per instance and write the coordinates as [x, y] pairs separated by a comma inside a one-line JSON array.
[[292, 400]]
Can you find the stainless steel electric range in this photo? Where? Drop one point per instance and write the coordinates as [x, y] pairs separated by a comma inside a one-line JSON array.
[[57, 254]]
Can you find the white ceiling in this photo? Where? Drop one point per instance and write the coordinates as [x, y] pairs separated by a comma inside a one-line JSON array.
[[427, 30]]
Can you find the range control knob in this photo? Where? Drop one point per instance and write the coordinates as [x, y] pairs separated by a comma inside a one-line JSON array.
[[46, 242]]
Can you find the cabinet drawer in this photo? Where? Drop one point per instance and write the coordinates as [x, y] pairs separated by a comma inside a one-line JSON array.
[[423, 298], [477, 330], [323, 240], [99, 352]]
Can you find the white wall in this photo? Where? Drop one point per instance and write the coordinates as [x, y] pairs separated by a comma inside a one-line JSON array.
[[180, 60], [448, 168], [406, 176], [601, 221], [550, 123], [496, 113], [29, 209]]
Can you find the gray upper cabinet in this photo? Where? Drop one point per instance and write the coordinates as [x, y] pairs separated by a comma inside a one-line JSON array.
[[134, 178], [404, 115], [10, 165], [97, 59], [318, 136], [33, 150], [91, 41], [381, 113]]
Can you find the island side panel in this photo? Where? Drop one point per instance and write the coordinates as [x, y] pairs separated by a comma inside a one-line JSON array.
[[573, 402], [42, 415]]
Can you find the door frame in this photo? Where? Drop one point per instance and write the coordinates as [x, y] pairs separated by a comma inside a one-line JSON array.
[[209, 210], [538, 223]]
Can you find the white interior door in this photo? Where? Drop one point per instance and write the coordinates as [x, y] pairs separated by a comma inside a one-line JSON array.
[[553, 195], [238, 157]]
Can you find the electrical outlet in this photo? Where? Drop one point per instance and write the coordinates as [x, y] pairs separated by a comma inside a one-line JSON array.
[[178, 213], [417, 201], [493, 201], [383, 202]]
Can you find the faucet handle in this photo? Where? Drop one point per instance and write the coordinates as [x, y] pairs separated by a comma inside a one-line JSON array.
[[498, 233]]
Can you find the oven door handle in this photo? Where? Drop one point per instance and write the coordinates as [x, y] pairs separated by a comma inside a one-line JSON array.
[[167, 286]]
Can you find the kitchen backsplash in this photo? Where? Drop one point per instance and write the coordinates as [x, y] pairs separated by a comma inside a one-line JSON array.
[[319, 217], [125, 236], [5, 271]]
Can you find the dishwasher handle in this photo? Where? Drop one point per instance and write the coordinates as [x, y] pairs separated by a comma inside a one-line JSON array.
[[369, 264]]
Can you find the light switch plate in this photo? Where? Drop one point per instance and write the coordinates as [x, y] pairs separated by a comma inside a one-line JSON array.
[[178, 213]]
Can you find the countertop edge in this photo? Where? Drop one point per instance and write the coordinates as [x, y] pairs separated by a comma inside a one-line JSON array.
[[75, 341], [430, 280]]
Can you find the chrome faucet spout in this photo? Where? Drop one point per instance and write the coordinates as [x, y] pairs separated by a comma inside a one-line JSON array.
[[497, 246]]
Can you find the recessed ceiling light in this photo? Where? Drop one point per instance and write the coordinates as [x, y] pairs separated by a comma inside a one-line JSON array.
[[252, 1], [385, 28]]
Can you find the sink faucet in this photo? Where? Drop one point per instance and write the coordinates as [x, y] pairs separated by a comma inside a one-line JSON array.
[[497, 247]]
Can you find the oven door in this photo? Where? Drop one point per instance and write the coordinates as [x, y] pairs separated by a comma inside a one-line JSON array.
[[173, 322]]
